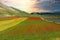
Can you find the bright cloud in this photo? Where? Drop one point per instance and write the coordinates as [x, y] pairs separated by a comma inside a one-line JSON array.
[[34, 5], [25, 5]]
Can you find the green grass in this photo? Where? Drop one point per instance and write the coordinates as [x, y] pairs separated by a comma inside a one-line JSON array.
[[43, 35]]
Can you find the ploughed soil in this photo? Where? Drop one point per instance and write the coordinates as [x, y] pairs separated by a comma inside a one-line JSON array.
[[34, 18]]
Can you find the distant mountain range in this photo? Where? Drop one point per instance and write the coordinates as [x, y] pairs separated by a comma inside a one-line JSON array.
[[46, 13]]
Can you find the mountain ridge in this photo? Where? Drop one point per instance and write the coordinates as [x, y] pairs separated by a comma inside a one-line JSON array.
[[10, 11]]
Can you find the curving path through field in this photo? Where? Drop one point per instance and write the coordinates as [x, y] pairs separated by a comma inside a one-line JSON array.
[[10, 23]]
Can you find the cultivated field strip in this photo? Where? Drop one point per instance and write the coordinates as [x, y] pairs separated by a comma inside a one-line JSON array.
[[10, 23]]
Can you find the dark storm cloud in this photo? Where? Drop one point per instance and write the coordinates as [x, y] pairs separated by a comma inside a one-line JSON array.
[[50, 5]]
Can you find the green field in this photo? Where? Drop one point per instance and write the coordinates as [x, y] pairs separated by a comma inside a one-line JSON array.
[[30, 30], [9, 23]]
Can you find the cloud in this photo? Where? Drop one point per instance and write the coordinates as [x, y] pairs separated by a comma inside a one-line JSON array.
[[51, 5], [34, 5]]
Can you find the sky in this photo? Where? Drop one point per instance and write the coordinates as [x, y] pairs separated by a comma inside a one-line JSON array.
[[34, 5]]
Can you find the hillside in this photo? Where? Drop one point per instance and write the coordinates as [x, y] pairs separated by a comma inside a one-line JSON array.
[[49, 16], [10, 11]]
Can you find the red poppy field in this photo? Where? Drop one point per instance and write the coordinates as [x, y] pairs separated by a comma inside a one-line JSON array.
[[33, 28]]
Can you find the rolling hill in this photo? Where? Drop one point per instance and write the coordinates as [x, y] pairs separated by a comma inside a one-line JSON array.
[[10, 11], [49, 16]]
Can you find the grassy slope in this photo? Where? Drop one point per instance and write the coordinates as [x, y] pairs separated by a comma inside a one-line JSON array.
[[9, 11], [31, 30]]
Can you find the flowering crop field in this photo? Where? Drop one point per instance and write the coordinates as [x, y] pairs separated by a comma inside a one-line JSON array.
[[30, 28]]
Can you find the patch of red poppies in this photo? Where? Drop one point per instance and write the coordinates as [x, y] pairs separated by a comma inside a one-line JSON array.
[[34, 18]]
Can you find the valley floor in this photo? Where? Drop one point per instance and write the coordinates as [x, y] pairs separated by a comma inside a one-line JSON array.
[[30, 28]]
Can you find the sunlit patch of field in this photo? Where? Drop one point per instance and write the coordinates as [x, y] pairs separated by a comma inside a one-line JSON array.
[[56, 38], [5, 24]]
